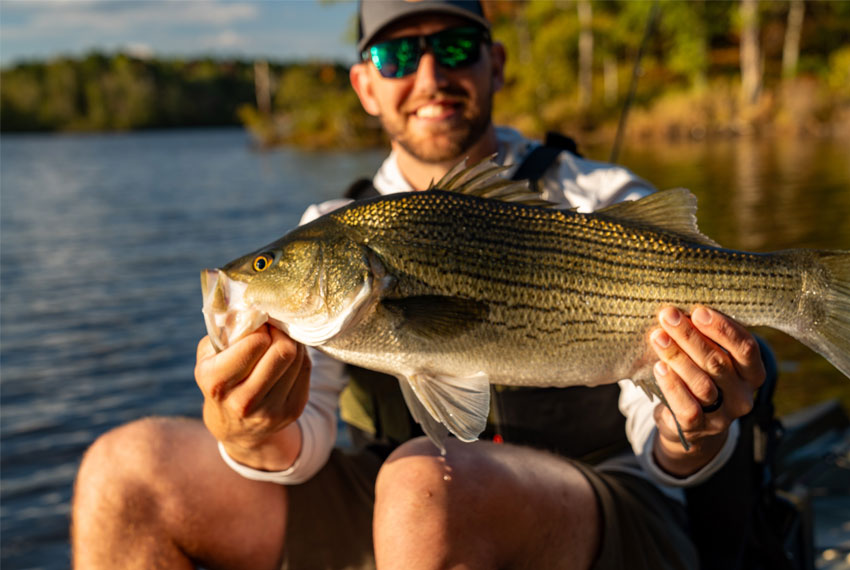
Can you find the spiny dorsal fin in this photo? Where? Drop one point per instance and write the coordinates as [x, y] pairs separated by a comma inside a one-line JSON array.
[[669, 210], [485, 180]]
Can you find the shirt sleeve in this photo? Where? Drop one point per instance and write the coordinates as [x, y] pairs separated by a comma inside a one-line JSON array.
[[642, 431], [318, 210]]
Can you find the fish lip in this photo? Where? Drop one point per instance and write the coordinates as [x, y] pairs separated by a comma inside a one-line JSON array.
[[227, 316], [209, 281]]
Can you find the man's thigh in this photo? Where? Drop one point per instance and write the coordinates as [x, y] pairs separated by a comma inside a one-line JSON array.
[[162, 480], [533, 509]]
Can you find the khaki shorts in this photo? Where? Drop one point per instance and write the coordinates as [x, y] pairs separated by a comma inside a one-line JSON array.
[[330, 519]]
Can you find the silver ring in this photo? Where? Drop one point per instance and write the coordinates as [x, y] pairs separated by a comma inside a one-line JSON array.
[[715, 405]]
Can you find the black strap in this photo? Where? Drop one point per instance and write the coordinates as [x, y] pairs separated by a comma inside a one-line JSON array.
[[537, 162], [360, 189]]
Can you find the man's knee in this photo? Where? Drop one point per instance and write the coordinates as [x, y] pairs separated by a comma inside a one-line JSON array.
[[127, 461], [415, 469], [127, 448], [417, 475]]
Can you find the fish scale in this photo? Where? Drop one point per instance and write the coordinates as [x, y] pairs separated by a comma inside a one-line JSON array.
[[451, 289], [593, 260]]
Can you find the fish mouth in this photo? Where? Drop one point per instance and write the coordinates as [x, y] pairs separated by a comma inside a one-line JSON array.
[[227, 314]]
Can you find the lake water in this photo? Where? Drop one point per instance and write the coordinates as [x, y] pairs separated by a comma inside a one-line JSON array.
[[103, 238]]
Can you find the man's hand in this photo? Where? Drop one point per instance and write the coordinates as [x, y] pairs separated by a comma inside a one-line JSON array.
[[705, 359], [253, 393]]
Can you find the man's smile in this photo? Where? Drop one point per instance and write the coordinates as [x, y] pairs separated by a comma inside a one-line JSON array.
[[437, 110]]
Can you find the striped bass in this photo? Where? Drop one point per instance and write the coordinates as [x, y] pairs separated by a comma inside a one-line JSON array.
[[476, 281]]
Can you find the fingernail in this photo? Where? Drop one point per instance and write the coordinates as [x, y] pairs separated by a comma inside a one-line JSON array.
[[701, 316], [660, 368], [660, 338], [671, 316]]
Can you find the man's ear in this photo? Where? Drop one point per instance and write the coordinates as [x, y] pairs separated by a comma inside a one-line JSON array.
[[361, 81], [497, 64]]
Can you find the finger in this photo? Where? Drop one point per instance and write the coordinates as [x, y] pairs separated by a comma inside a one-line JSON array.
[[672, 352], [706, 354], [278, 367], [682, 403], [288, 400], [205, 349], [667, 425], [217, 373], [738, 342]]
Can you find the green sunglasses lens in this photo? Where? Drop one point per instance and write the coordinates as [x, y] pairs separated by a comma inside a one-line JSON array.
[[457, 47], [452, 48], [396, 58]]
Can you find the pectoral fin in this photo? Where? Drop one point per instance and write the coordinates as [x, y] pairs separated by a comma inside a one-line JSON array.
[[439, 402], [432, 317]]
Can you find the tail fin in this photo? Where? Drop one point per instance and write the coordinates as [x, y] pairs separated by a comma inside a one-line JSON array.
[[830, 334]]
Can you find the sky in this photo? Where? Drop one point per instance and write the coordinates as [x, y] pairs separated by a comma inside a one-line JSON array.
[[280, 30]]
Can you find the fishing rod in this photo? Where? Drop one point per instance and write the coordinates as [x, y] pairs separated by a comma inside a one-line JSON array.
[[621, 126]]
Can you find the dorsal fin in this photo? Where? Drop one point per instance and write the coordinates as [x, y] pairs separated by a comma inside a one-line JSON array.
[[485, 180], [672, 210]]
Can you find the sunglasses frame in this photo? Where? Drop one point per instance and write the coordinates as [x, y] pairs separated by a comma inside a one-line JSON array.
[[423, 43]]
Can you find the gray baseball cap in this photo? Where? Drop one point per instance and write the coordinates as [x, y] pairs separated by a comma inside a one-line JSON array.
[[375, 15]]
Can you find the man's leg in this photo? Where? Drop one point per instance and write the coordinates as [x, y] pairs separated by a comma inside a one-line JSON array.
[[483, 506], [156, 494]]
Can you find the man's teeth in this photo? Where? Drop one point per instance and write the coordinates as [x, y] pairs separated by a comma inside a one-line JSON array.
[[430, 111]]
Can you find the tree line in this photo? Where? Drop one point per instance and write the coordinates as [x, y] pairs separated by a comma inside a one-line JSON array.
[[705, 67], [121, 92]]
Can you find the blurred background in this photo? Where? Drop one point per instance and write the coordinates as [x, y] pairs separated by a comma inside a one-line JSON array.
[[143, 141]]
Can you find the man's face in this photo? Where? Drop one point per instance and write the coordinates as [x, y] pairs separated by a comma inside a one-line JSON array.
[[435, 114]]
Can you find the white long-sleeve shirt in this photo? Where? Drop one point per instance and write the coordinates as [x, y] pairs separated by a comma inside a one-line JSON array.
[[573, 182]]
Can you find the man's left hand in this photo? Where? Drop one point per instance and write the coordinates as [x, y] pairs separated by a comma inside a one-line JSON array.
[[709, 369]]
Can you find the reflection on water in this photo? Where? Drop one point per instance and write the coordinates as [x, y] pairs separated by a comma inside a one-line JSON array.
[[103, 238], [757, 195]]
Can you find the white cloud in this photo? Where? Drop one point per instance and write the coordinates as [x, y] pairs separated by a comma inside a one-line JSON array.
[[264, 28]]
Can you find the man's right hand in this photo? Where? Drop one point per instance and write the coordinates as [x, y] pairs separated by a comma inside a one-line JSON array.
[[253, 393]]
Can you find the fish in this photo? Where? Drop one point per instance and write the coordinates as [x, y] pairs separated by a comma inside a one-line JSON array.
[[478, 281]]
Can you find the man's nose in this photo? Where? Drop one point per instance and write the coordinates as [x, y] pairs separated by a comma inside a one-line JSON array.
[[429, 75]]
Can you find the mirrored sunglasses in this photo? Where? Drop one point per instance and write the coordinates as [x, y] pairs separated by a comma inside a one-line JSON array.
[[452, 48]]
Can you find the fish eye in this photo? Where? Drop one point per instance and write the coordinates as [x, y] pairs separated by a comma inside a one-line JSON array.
[[262, 262]]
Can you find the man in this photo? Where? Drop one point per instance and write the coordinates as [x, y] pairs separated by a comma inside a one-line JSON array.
[[158, 493]]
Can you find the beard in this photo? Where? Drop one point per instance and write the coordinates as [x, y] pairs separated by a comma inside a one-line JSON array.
[[446, 141]]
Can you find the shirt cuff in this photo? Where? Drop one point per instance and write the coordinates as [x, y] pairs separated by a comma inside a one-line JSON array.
[[279, 477], [647, 460]]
